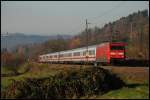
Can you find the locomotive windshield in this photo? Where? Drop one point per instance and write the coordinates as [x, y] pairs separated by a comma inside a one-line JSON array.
[[117, 48]]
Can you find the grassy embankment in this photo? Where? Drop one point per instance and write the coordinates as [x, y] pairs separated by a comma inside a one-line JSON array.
[[134, 88], [36, 71]]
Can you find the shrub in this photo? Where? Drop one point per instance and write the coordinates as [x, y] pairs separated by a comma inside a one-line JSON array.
[[66, 84]]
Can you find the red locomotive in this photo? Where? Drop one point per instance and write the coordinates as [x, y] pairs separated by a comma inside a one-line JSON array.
[[101, 53]]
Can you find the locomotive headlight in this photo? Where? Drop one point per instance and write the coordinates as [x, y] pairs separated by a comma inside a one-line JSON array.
[[120, 53], [112, 53]]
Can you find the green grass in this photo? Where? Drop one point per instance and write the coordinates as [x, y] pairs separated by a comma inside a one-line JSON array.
[[43, 72], [139, 92], [4, 70], [5, 81], [133, 90]]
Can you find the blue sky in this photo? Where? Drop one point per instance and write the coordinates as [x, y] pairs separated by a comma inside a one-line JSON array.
[[62, 17]]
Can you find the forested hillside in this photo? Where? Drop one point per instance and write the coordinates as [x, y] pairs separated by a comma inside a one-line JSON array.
[[12, 40], [133, 29]]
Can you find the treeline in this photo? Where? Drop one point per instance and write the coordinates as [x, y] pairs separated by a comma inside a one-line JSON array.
[[12, 61], [133, 30]]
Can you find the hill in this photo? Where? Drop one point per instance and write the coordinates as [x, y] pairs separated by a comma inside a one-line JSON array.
[[11, 41], [133, 29]]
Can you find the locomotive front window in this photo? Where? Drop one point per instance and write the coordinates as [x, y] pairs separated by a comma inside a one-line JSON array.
[[117, 48]]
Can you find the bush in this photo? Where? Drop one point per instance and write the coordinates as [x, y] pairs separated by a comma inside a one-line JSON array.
[[66, 84], [12, 61]]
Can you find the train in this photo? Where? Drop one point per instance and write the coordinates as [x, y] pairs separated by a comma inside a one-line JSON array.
[[105, 53]]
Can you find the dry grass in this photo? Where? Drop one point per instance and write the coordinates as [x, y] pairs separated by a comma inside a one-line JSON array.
[[138, 74]]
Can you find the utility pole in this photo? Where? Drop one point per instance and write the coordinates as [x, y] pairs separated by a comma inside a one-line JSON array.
[[6, 40], [87, 34], [111, 34], [131, 36], [141, 39], [87, 38]]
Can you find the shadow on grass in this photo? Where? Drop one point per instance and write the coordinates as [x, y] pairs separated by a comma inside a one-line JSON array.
[[132, 63], [15, 73], [134, 85]]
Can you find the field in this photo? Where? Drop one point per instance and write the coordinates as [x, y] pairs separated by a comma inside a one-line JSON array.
[[136, 78]]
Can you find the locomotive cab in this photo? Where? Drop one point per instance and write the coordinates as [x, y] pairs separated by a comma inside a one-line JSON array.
[[117, 52]]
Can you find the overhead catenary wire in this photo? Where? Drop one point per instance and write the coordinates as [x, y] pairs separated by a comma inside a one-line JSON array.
[[106, 12], [103, 14], [101, 17], [98, 17]]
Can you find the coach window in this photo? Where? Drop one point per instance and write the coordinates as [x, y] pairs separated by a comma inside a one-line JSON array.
[[77, 54], [91, 52], [66, 55], [84, 53], [61, 55], [74, 54], [69, 54], [54, 56]]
